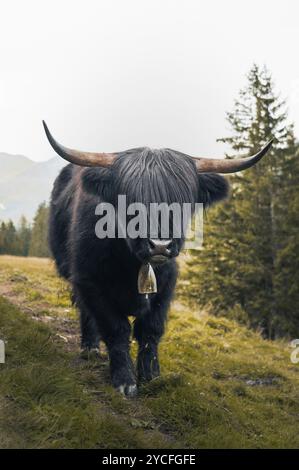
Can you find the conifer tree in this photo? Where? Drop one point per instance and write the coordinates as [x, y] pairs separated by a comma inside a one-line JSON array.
[[2, 238], [8, 238], [39, 237], [239, 271], [24, 236]]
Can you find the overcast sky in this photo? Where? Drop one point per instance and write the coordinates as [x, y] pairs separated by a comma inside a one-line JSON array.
[[110, 75]]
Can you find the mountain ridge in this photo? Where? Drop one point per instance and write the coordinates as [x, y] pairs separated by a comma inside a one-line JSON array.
[[24, 184]]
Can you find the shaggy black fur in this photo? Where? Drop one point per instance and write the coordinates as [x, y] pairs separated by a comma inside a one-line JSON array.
[[103, 273]]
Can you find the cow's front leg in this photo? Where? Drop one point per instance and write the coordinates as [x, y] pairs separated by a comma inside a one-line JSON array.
[[114, 329], [121, 366], [148, 361], [148, 330]]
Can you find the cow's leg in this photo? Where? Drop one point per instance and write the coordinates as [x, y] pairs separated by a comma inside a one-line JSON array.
[[90, 337], [114, 329], [148, 330], [122, 370]]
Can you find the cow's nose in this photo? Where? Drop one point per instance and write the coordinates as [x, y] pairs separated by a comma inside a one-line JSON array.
[[159, 247]]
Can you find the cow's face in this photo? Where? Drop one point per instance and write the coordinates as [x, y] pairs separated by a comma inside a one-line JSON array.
[[167, 184], [162, 181]]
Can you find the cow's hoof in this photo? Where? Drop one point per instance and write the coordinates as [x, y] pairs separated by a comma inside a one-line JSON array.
[[148, 377], [123, 379], [129, 391], [90, 354]]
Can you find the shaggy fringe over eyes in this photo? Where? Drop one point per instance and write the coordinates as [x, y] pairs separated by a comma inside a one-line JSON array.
[[148, 175]]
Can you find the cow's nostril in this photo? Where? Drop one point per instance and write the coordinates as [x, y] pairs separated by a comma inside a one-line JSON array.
[[151, 243], [169, 243]]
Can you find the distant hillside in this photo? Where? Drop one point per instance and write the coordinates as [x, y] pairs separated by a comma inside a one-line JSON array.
[[12, 165], [24, 184]]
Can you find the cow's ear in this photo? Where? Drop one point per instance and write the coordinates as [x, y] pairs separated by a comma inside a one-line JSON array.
[[212, 188], [96, 181]]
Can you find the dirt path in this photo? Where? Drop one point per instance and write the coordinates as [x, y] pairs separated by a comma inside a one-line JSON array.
[[65, 328]]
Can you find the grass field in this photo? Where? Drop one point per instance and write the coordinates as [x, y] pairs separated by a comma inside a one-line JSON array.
[[222, 386]]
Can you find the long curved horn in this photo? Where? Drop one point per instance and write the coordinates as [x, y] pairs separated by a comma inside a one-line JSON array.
[[216, 165], [77, 157]]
